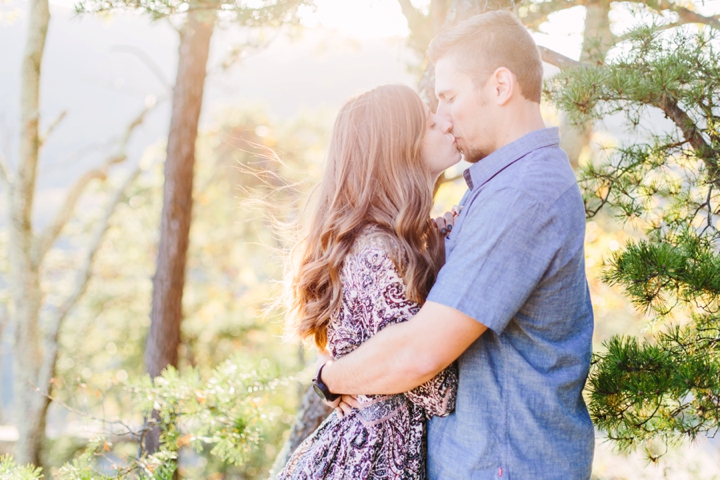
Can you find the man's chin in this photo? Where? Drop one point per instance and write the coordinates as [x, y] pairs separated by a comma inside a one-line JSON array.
[[474, 155]]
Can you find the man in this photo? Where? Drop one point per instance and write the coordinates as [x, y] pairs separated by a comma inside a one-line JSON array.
[[511, 303]]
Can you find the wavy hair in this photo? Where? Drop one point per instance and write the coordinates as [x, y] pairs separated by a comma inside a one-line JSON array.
[[374, 177]]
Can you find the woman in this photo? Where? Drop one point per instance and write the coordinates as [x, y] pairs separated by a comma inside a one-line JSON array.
[[370, 259]]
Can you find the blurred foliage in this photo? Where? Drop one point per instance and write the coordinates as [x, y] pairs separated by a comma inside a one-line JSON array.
[[252, 175], [224, 412], [9, 470], [664, 186], [256, 13]]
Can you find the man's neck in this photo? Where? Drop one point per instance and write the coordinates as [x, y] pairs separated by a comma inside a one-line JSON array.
[[525, 118]]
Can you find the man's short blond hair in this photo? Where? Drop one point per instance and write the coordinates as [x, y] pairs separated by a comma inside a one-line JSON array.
[[489, 41]]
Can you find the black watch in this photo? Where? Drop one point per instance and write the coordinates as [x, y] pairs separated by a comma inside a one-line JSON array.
[[321, 389]]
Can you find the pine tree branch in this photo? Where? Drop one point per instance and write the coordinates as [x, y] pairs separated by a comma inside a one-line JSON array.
[[668, 105], [53, 126], [53, 230], [47, 370]]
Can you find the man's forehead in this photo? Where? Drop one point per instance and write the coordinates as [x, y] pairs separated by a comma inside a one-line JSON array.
[[447, 76]]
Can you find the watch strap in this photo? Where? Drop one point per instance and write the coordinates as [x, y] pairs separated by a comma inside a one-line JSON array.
[[322, 390]]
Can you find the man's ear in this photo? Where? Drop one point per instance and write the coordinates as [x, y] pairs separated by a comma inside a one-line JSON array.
[[504, 85]]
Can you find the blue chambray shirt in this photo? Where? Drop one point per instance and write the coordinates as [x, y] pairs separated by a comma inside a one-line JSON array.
[[515, 262]]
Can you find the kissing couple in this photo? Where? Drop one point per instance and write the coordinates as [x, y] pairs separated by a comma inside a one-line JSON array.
[[455, 348]]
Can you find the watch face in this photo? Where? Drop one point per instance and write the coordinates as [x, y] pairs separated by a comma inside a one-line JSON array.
[[319, 391]]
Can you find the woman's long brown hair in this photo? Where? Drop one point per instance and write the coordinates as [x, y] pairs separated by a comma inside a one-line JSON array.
[[374, 176]]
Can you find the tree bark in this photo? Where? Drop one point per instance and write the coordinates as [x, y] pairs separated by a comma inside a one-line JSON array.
[[24, 272], [164, 337], [311, 414]]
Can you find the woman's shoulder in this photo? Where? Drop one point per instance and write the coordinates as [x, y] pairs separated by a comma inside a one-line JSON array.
[[375, 242]]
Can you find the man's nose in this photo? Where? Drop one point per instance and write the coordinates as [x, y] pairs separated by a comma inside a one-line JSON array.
[[442, 117], [444, 123]]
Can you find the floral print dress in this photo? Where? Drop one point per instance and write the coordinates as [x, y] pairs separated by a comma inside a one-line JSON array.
[[386, 438]]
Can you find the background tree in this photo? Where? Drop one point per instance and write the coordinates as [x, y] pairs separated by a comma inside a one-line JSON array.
[[234, 266], [163, 339], [664, 185], [36, 339]]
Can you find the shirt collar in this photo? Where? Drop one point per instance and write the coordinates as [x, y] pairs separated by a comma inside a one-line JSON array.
[[482, 171]]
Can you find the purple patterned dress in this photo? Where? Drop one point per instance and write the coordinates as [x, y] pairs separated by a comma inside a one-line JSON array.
[[386, 438]]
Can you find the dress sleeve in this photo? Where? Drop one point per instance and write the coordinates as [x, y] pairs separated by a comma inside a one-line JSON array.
[[382, 297], [437, 395]]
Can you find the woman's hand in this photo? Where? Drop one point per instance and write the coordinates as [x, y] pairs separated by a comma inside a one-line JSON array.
[[346, 405], [445, 224]]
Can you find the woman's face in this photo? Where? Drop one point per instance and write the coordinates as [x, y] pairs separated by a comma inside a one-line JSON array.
[[439, 150]]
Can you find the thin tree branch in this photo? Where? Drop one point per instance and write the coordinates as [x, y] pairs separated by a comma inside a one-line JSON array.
[[3, 321], [537, 13], [688, 16], [558, 59], [53, 126], [149, 62], [136, 434], [52, 231], [5, 176], [47, 369], [691, 133], [685, 14]]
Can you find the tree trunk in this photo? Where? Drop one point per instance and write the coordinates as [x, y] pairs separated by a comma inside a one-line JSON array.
[[597, 40], [164, 337], [24, 274], [311, 414]]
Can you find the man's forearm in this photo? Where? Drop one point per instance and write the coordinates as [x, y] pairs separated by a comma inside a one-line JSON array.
[[405, 355], [385, 364]]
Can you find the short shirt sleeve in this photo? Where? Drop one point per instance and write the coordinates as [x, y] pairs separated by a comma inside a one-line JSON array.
[[502, 249]]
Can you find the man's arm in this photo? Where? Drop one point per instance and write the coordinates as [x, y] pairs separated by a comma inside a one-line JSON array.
[[405, 355]]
